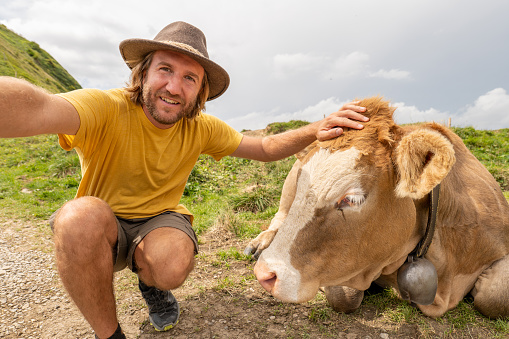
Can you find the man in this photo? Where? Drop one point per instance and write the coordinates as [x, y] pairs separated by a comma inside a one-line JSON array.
[[137, 146]]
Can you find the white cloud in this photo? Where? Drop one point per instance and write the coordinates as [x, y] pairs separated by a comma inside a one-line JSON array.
[[253, 120], [411, 114], [489, 111], [260, 120], [394, 74], [286, 65], [353, 64], [275, 60]]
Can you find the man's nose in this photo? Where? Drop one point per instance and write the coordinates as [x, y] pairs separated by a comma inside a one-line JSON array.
[[174, 86]]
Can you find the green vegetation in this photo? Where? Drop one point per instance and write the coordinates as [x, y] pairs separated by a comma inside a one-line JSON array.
[[491, 148], [25, 59], [239, 194], [37, 177], [280, 127], [395, 310], [231, 254]]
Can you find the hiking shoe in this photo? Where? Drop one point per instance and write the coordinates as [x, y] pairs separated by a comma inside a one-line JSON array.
[[163, 308]]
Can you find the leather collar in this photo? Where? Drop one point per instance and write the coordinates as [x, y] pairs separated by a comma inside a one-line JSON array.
[[423, 245]]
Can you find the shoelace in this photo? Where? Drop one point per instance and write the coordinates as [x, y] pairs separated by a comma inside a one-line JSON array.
[[159, 301]]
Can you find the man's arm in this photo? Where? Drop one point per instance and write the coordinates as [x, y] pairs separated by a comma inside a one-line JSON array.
[[27, 110], [280, 146]]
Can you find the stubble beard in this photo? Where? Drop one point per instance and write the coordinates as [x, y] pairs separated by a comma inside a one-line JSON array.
[[149, 100]]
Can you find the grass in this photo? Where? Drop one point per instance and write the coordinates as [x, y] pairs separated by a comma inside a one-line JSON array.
[[491, 148], [232, 254], [37, 177], [25, 59], [398, 311]]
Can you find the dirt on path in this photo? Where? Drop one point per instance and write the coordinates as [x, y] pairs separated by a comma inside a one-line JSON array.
[[220, 299]]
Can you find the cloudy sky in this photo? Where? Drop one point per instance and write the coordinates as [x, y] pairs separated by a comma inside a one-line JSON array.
[[433, 59]]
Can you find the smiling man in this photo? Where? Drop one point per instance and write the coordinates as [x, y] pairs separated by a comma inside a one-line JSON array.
[[167, 96], [137, 147]]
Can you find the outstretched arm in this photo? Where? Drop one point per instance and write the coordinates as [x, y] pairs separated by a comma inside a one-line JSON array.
[[276, 147], [27, 110]]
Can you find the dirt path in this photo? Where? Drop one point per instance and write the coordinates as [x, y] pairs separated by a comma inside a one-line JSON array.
[[219, 300]]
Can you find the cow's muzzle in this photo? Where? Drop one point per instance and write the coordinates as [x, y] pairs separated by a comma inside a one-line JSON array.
[[265, 277]]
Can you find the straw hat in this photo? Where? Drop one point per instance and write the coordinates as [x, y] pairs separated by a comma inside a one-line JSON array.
[[183, 38]]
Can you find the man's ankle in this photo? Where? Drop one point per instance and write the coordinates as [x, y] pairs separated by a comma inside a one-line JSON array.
[[117, 335]]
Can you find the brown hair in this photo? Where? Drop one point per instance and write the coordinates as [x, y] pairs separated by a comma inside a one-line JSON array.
[[135, 86], [378, 135]]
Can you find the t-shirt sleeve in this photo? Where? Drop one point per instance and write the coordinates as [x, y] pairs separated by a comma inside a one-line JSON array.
[[94, 107], [222, 139]]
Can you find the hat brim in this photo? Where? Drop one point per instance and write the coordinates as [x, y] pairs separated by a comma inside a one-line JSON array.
[[135, 49]]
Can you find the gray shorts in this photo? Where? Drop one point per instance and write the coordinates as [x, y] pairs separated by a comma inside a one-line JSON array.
[[132, 231]]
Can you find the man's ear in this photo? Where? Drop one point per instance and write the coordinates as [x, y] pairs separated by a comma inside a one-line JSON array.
[[423, 158]]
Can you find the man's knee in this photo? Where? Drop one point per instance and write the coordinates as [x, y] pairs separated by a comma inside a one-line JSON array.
[[165, 260], [174, 275], [84, 220]]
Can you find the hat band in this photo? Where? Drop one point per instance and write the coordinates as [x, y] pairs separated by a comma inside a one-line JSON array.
[[183, 46]]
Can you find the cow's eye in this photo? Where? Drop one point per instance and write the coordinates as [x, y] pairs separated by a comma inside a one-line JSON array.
[[350, 200]]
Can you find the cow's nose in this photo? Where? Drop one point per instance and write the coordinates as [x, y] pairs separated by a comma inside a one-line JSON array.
[[265, 277]]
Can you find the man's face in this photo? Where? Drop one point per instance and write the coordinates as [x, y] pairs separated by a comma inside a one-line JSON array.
[[171, 87]]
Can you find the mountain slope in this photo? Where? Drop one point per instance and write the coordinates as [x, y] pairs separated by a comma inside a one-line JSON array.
[[25, 59]]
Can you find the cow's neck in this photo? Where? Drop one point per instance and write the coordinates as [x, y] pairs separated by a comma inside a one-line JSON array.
[[417, 278]]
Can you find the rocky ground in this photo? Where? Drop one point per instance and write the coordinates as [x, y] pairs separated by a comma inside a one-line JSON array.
[[219, 300]]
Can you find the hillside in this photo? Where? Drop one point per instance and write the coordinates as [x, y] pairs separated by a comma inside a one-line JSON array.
[[25, 59]]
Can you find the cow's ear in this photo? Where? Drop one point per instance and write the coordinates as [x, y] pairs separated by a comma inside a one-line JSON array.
[[423, 159]]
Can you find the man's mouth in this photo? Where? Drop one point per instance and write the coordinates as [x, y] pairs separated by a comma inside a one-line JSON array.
[[170, 101]]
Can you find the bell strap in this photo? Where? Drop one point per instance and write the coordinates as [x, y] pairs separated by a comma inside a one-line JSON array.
[[425, 242]]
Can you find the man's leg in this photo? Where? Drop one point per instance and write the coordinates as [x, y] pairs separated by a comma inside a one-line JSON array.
[[164, 259], [85, 236]]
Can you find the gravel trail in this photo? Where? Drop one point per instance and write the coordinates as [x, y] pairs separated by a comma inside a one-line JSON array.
[[32, 300]]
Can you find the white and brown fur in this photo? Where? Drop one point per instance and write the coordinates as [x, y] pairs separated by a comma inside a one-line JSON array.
[[310, 243]]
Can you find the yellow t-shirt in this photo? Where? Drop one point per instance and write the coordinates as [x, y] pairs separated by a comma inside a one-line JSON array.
[[137, 168]]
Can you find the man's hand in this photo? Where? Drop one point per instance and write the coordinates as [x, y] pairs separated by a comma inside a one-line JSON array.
[[347, 116], [279, 146]]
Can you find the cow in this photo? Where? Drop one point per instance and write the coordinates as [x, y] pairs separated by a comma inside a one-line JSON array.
[[357, 209]]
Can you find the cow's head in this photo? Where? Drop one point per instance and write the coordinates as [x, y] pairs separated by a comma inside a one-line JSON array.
[[354, 213]]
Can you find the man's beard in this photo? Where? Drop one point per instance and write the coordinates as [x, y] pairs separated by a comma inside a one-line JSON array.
[[149, 102]]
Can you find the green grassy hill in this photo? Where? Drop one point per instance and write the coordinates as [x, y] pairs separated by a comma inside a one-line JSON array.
[[21, 58]]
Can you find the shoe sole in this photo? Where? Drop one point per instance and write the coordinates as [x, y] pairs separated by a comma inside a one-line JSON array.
[[167, 328]]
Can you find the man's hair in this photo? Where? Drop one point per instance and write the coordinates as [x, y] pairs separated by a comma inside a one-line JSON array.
[[135, 86]]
